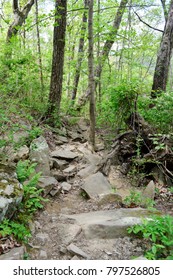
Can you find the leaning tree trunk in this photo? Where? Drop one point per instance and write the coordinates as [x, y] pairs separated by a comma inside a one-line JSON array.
[[80, 52], [57, 58], [105, 51], [20, 16], [91, 74], [164, 56]]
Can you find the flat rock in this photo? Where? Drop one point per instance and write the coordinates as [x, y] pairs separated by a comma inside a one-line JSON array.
[[14, 254], [65, 154], [87, 171], [68, 232], [70, 170], [96, 185], [108, 224], [77, 251], [61, 139], [47, 183]]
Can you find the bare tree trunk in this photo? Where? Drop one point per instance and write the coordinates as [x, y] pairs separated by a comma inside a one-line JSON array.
[[39, 48], [105, 51], [57, 58], [80, 51], [20, 16], [164, 57], [91, 74], [164, 9]]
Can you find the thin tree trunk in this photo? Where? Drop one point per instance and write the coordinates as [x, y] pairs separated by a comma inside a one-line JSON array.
[[163, 2], [57, 58], [39, 49], [20, 16], [164, 56], [91, 74], [105, 51], [80, 51]]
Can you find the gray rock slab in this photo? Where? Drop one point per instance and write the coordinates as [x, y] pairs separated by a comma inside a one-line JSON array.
[[87, 171], [65, 154], [70, 170], [47, 183], [93, 159], [72, 248], [149, 191], [96, 185], [39, 153], [68, 232], [14, 254], [108, 224]]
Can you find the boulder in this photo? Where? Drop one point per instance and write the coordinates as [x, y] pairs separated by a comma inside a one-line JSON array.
[[96, 185], [39, 153], [11, 192], [108, 224]]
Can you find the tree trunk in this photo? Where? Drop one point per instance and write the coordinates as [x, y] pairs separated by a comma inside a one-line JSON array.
[[80, 51], [164, 56], [105, 51], [58, 57], [39, 49], [19, 18], [91, 74]]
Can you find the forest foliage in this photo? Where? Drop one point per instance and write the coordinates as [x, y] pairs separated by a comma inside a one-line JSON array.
[[126, 80]]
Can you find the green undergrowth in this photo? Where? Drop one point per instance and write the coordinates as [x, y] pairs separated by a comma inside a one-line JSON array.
[[31, 202], [157, 232]]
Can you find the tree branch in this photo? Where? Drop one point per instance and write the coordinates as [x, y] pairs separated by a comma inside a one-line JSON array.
[[147, 23]]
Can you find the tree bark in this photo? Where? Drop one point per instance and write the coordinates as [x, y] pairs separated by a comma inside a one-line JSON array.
[[39, 48], [91, 74], [19, 18], [164, 56], [58, 57], [80, 51], [105, 51]]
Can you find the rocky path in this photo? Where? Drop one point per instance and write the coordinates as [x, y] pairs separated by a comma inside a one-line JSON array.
[[83, 218]]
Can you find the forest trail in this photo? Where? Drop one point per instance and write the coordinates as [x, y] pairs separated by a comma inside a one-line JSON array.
[[75, 227]]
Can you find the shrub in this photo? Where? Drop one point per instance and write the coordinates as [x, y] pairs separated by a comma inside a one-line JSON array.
[[159, 233]]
